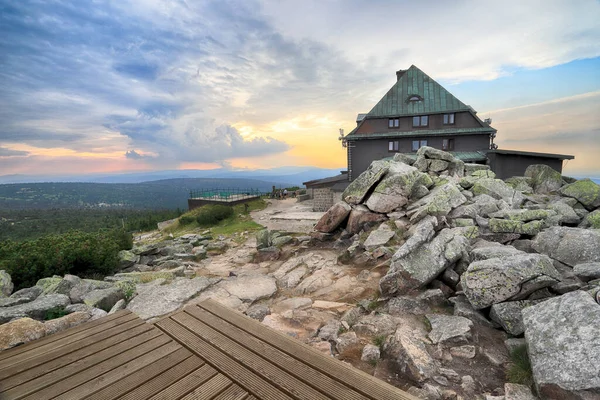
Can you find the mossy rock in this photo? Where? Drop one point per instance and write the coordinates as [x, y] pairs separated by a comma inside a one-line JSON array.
[[586, 191], [593, 219]]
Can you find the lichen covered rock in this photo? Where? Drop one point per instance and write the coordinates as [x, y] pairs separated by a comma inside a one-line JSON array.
[[586, 191]]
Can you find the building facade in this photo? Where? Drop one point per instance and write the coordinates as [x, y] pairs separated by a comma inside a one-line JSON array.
[[417, 111]]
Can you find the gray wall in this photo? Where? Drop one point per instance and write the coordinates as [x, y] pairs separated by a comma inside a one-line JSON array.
[[366, 151], [507, 165]]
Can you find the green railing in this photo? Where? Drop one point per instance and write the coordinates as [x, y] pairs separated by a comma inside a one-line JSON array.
[[225, 194]]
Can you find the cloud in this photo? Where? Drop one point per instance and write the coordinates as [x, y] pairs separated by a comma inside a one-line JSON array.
[[4, 152], [173, 81]]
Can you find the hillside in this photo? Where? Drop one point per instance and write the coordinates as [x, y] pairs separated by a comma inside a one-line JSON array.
[[161, 194]]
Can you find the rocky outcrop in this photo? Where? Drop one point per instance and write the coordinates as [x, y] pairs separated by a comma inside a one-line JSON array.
[[35, 309], [20, 331], [155, 300], [358, 189], [586, 191], [496, 280], [543, 178], [564, 346]]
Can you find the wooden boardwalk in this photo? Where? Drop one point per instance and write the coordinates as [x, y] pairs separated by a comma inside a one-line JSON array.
[[203, 352]]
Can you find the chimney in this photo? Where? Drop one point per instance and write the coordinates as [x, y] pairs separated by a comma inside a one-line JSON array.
[[399, 74]]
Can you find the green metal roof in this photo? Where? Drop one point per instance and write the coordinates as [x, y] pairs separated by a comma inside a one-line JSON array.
[[413, 81], [423, 132], [467, 156]]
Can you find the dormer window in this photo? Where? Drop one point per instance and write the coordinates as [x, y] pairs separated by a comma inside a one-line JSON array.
[[421, 120], [393, 122], [414, 97]]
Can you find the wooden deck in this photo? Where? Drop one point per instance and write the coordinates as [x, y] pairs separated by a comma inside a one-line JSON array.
[[202, 352]]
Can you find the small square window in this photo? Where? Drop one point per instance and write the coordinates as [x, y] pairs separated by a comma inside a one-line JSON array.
[[449, 119], [393, 123], [393, 145], [416, 121], [448, 144]]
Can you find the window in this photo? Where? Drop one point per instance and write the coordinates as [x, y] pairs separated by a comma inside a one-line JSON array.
[[414, 97], [417, 144], [448, 144], [422, 120], [393, 123], [393, 145], [449, 119]]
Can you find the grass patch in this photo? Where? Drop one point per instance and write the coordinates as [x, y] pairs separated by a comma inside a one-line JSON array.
[[219, 221], [520, 368], [379, 341]]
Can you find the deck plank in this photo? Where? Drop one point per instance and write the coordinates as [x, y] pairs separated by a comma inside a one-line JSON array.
[[243, 376], [91, 343], [144, 374], [120, 315], [210, 389], [165, 379], [114, 374], [37, 350], [64, 379], [300, 370], [187, 384], [366, 384], [233, 392], [250, 360]]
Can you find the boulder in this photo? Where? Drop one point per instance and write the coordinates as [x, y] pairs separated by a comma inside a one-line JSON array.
[[263, 239], [330, 330], [514, 391], [439, 202], [462, 308], [258, 311], [97, 313], [375, 325], [470, 168], [570, 246], [544, 179], [592, 220], [370, 353], [379, 237], [333, 217], [119, 305], [250, 288], [21, 296], [499, 190], [587, 271], [153, 301], [127, 259], [66, 322], [36, 309], [407, 352], [508, 315], [532, 228], [565, 212], [586, 191], [514, 277], [280, 241], [20, 331], [360, 187], [346, 341], [435, 154], [103, 298], [6, 285], [449, 329], [361, 217], [394, 190], [423, 264], [564, 346], [520, 183], [403, 158], [78, 291]]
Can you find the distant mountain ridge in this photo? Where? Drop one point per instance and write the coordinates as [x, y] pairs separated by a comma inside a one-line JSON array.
[[287, 175], [158, 194]]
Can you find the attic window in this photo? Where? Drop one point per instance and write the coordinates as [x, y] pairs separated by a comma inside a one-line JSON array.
[[415, 97], [393, 123]]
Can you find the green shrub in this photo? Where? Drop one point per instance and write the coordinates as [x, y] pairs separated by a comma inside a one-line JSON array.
[[54, 313], [520, 368], [186, 219], [75, 252], [211, 215], [379, 341]]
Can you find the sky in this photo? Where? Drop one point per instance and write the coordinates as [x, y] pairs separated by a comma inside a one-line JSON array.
[[132, 85]]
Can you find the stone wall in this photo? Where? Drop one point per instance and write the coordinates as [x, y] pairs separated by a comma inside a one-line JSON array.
[[322, 199]]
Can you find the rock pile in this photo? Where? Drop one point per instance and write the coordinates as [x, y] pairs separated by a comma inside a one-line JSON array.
[[522, 255]]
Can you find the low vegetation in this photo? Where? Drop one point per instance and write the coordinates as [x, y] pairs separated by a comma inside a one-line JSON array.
[[79, 253], [222, 220], [520, 368]]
